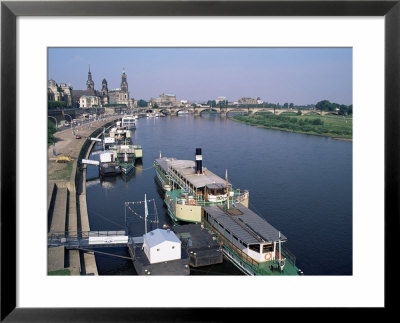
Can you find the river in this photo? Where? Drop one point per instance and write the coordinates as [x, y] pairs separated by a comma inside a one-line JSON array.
[[301, 184]]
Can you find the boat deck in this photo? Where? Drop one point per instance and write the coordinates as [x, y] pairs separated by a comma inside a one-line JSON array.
[[186, 169], [202, 247], [144, 267]]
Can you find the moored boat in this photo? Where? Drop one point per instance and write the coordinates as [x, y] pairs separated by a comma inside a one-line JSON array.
[[189, 186], [108, 165], [198, 195], [128, 122], [252, 244], [125, 157]]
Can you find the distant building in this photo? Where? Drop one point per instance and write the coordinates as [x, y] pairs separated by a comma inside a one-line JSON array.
[[166, 100], [247, 101], [220, 99], [59, 93]]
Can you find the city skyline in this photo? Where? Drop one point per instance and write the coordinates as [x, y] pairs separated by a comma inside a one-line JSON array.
[[276, 75]]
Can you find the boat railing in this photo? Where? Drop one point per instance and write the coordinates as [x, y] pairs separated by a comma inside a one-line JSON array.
[[200, 201], [288, 255], [241, 256]]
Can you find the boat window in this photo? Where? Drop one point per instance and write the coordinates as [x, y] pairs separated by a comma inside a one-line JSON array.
[[268, 248], [227, 231], [234, 237], [221, 225], [255, 247]]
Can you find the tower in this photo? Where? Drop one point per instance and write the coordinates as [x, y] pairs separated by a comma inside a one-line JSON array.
[[104, 92], [124, 82], [89, 82], [104, 88]]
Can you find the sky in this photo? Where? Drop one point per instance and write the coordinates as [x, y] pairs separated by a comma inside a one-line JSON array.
[[276, 75]]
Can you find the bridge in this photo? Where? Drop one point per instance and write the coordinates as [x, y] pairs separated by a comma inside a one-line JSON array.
[[234, 109]]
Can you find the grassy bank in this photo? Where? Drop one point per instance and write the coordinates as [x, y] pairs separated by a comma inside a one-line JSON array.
[[338, 127], [63, 172], [61, 272]]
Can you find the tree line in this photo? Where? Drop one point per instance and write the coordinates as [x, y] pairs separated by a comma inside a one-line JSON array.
[[342, 109]]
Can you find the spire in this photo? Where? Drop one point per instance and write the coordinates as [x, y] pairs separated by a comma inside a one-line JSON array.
[[89, 82]]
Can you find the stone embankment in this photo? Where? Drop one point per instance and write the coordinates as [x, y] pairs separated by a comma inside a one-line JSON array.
[[66, 198]]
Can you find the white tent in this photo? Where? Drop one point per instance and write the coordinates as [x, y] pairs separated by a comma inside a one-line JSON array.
[[161, 245]]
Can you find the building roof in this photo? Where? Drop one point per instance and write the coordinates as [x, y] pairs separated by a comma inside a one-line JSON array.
[[245, 224], [158, 236], [186, 168], [76, 94]]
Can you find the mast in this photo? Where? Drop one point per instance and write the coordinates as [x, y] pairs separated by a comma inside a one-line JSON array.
[[145, 214], [104, 144], [280, 251], [227, 188]]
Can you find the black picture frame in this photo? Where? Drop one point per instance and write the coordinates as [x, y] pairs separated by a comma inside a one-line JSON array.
[[10, 10]]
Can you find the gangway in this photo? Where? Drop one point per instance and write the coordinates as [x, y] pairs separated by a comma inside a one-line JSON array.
[[91, 239]]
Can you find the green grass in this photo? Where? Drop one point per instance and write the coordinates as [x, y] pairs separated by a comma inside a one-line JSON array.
[[331, 125], [62, 174], [288, 113], [61, 272]]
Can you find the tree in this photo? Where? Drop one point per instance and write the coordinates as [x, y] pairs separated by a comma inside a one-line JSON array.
[[51, 129], [299, 112], [211, 103], [56, 104], [222, 104], [291, 105], [286, 105], [325, 105], [142, 103], [155, 106]]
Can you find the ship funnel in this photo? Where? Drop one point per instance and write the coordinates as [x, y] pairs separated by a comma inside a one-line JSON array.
[[199, 161]]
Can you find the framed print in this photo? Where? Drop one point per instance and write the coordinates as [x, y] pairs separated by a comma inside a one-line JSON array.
[[355, 44]]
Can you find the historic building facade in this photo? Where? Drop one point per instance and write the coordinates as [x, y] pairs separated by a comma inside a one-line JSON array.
[[166, 100], [59, 93], [118, 96], [87, 101], [121, 95]]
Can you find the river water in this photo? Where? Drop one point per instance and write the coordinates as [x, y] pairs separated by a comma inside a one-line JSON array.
[[301, 184]]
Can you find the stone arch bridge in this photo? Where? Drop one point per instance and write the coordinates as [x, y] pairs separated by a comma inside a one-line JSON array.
[[225, 111]]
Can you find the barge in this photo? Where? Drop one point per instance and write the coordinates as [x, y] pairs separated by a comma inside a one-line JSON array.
[[108, 165], [201, 246], [160, 254]]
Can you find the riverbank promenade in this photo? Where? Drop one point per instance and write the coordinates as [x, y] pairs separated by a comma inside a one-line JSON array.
[[66, 199]]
